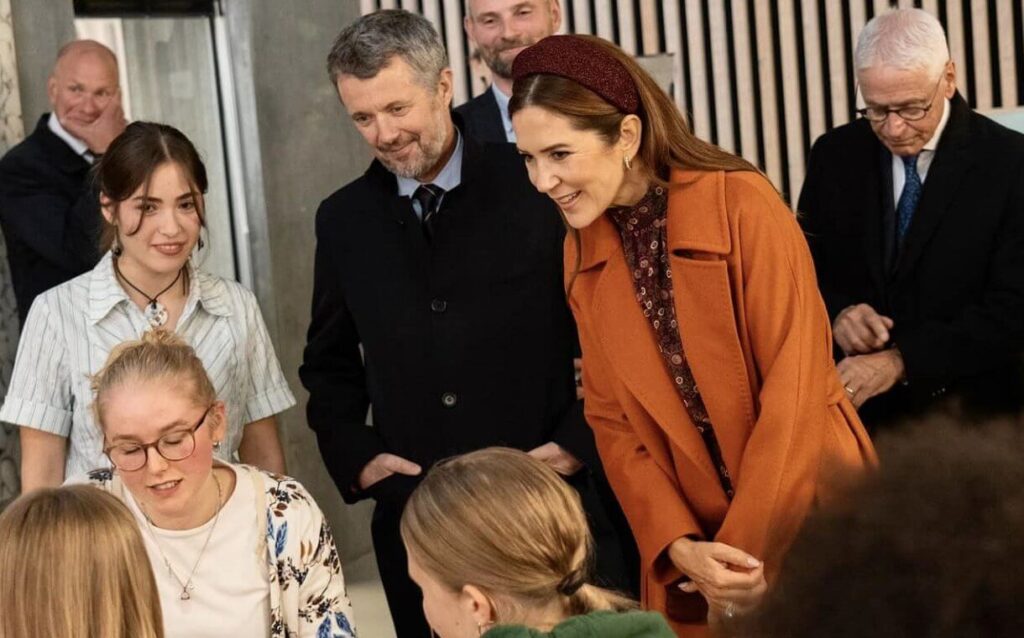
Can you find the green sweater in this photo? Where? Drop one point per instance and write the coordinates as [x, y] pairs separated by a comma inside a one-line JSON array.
[[597, 624]]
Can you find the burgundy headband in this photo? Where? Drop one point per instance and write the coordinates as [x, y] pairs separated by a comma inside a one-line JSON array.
[[584, 62]]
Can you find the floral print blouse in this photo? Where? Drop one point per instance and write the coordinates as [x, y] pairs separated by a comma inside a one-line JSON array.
[[307, 589]]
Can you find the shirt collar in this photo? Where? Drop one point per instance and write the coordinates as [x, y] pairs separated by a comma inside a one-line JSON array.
[[105, 293], [77, 145], [449, 177], [506, 119], [933, 143]]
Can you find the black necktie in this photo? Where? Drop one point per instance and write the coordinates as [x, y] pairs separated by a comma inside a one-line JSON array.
[[429, 197]]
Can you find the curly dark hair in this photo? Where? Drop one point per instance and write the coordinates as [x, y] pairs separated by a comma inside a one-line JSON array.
[[930, 547]]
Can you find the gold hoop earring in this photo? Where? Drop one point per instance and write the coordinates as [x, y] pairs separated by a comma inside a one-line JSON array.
[[627, 162]]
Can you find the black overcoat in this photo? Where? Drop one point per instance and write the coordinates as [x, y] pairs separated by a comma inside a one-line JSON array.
[[49, 214], [482, 118], [467, 338], [955, 289]]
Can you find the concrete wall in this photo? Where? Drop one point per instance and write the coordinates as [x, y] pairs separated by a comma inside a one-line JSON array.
[[40, 29], [12, 131], [298, 148]]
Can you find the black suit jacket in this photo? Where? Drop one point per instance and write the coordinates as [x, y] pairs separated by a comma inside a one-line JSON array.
[[955, 289], [482, 118], [466, 340], [49, 214]]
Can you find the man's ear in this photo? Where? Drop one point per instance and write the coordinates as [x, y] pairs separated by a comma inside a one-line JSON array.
[[556, 16], [51, 90], [446, 86], [949, 74]]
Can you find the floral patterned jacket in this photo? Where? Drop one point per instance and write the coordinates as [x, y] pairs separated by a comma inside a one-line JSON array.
[[307, 589]]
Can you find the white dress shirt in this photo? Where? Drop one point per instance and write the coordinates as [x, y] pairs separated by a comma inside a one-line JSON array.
[[506, 119], [924, 157], [77, 145]]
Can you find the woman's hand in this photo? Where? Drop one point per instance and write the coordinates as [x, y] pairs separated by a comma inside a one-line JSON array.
[[731, 580]]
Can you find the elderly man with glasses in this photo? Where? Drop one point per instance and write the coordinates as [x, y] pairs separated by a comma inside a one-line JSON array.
[[915, 217]]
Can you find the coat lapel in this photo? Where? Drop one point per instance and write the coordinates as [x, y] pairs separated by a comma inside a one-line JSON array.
[[953, 161], [699, 239], [629, 343]]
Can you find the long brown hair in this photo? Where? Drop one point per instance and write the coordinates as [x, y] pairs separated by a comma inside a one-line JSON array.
[[666, 140], [74, 566], [130, 162], [505, 522]]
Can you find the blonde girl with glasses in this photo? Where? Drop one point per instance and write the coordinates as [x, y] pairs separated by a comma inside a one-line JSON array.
[[74, 566], [236, 551]]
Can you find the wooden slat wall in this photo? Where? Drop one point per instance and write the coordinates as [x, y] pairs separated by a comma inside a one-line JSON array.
[[765, 78]]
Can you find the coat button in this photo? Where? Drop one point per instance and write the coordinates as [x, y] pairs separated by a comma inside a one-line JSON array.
[[448, 399], [438, 305]]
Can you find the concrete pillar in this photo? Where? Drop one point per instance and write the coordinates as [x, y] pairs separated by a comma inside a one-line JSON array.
[[40, 29], [298, 147], [12, 130]]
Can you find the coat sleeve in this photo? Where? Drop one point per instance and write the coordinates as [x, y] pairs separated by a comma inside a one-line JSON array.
[[332, 371], [325, 609], [981, 335], [65, 232], [788, 330], [649, 493], [815, 220]]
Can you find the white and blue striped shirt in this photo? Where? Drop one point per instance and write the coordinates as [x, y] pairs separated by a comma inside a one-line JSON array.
[[71, 329]]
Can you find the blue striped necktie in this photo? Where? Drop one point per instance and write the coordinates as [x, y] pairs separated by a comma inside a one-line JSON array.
[[909, 198]]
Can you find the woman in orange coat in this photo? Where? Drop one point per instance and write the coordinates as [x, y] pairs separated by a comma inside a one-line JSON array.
[[707, 366]]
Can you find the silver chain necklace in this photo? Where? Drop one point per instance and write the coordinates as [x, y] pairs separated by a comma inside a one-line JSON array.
[[186, 585]]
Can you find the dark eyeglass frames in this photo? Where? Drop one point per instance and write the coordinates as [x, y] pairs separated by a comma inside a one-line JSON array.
[[177, 445], [879, 114]]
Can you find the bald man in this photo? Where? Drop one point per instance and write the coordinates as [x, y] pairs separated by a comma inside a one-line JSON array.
[[49, 212]]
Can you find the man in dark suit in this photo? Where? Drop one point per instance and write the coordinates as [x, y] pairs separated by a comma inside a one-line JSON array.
[[500, 29], [49, 212], [437, 299], [915, 218]]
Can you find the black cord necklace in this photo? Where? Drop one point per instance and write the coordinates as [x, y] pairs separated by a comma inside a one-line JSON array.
[[155, 312]]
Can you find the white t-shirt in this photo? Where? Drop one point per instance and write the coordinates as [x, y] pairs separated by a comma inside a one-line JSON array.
[[231, 595]]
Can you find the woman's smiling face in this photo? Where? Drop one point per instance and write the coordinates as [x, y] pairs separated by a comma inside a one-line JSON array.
[[158, 225], [579, 169]]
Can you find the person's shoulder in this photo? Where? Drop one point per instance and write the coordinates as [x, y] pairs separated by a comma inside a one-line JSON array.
[[358, 189], [473, 105], [344, 205], [67, 299], [840, 139], [28, 154], [284, 493], [998, 137]]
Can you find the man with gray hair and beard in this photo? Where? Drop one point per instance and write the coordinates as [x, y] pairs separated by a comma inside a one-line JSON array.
[[437, 300], [915, 217]]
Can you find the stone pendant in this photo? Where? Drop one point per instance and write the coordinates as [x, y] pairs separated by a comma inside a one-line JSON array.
[[156, 314], [186, 591]]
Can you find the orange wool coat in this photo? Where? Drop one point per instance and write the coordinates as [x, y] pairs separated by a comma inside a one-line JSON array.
[[758, 340]]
